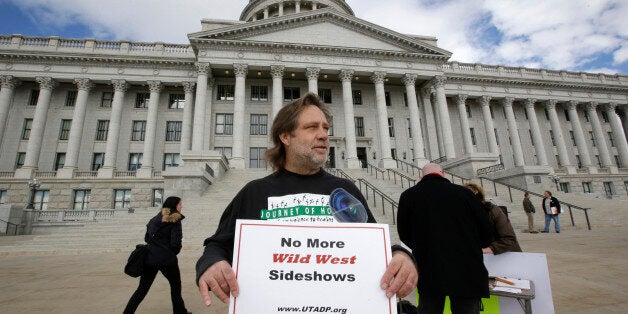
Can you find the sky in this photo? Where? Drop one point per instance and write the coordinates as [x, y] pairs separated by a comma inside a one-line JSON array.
[[573, 35]]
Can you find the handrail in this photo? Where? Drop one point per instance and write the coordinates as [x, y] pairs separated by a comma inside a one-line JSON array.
[[9, 225], [510, 187], [342, 174], [401, 177], [408, 166], [370, 167], [439, 160], [393, 204], [490, 169]]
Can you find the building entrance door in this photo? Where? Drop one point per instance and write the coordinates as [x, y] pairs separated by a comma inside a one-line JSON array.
[[331, 158], [362, 156]]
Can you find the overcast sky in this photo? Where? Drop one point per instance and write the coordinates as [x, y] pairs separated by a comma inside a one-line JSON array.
[[574, 35]]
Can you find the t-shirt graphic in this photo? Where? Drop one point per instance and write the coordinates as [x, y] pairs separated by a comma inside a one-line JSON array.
[[303, 207]]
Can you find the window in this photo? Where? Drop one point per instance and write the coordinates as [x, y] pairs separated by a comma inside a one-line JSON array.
[[176, 101], [567, 115], [537, 179], [387, 98], [291, 93], [64, 132], [609, 189], [531, 139], [573, 138], [32, 100], [525, 112], [106, 99], [611, 139], [259, 123], [565, 187], [546, 114], [472, 131], [409, 128], [41, 199], [225, 151], [586, 116], [259, 93], [325, 95], [391, 127], [405, 99], [618, 161], [98, 160], [558, 161], [171, 160], [605, 116], [491, 109], [330, 131], [19, 160], [141, 100], [496, 136], [552, 137], [224, 123], [121, 198], [102, 128], [26, 130], [599, 161], [70, 98], [135, 161], [256, 157], [158, 197], [468, 108], [587, 187], [59, 161], [81, 199], [139, 131], [225, 92], [173, 131], [393, 153], [357, 97], [592, 138], [578, 161], [359, 126], [3, 197]]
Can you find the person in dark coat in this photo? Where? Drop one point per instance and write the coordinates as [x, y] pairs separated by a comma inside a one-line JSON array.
[[446, 227], [163, 235], [551, 207], [505, 239]]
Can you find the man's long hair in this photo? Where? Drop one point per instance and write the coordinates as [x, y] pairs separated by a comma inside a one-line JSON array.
[[286, 122]]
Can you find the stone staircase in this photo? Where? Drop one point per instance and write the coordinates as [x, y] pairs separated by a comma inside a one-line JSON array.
[[203, 214]]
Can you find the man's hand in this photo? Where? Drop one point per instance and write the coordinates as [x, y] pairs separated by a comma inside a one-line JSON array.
[[221, 279], [401, 275]]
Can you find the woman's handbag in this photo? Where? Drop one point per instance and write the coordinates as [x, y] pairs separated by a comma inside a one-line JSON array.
[[135, 263]]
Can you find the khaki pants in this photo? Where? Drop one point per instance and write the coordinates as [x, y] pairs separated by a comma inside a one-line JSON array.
[[530, 222]]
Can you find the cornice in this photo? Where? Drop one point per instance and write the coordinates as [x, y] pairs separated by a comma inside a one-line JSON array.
[[536, 83], [38, 57]]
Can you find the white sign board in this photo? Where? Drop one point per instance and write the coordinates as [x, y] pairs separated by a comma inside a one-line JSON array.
[[303, 268]]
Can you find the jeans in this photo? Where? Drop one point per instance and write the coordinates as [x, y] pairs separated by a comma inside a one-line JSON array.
[[435, 303], [171, 273], [548, 220]]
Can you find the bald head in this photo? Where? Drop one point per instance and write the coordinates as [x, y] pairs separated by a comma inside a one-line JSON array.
[[432, 168]]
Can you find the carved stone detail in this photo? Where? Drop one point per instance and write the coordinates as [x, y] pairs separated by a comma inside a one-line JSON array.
[[610, 107], [276, 71], [202, 68], [8, 81], [529, 103], [155, 86], [507, 102], [346, 75], [426, 92], [312, 73], [462, 98], [240, 69], [120, 85], [485, 100], [378, 77], [46, 82], [551, 104], [408, 79], [592, 105], [439, 81], [188, 87], [84, 84], [572, 105]]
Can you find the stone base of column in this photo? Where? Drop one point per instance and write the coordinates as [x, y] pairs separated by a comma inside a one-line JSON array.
[[144, 173], [195, 175], [468, 165], [66, 173], [525, 177], [570, 169], [613, 169], [592, 169], [237, 163], [387, 163], [354, 163], [25, 173], [106, 172], [420, 162]]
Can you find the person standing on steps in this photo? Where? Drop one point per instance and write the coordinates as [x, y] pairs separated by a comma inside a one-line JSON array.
[[551, 207], [529, 210], [164, 234]]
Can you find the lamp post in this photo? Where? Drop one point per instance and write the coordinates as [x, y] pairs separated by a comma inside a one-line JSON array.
[[33, 185], [556, 179]]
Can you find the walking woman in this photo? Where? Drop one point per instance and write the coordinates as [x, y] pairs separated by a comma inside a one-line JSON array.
[[164, 234]]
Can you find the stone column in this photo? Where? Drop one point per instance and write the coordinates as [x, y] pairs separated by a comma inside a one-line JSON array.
[[409, 80], [151, 129], [386, 160], [46, 85], [76, 130], [439, 129], [537, 139], [583, 149], [297, 6], [111, 151], [599, 135], [277, 73], [485, 101], [618, 133], [513, 131], [347, 101], [237, 160], [188, 116], [430, 123], [7, 92], [280, 8], [203, 71], [445, 122], [464, 124], [558, 135], [312, 79]]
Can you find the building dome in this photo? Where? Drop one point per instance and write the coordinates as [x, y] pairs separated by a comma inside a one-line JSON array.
[[264, 9]]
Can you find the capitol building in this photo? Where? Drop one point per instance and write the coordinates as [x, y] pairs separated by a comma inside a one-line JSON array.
[[115, 124]]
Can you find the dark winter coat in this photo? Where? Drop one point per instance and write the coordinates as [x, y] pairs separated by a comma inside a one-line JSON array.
[[553, 203], [446, 226], [166, 244], [503, 233]]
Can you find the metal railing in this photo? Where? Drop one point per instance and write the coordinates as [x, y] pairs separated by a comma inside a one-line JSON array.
[[411, 181], [490, 169], [512, 187], [8, 228], [74, 215], [407, 167], [385, 199], [439, 160], [370, 168]]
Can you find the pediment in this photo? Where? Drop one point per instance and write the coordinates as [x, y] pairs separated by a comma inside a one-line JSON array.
[[321, 28]]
